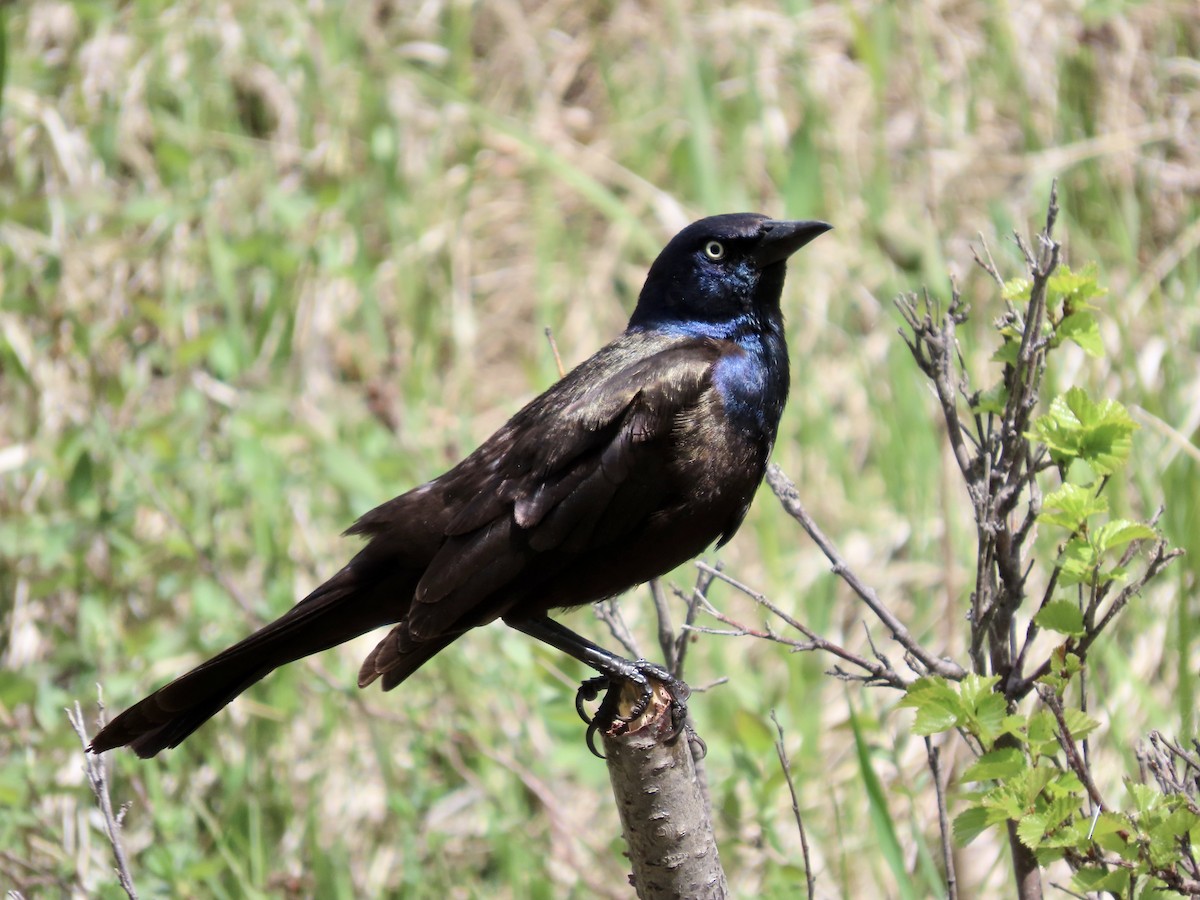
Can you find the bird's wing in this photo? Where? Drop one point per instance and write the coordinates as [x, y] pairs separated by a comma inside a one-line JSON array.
[[576, 469]]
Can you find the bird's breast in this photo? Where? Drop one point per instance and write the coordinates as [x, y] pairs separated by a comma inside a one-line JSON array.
[[722, 443], [751, 382]]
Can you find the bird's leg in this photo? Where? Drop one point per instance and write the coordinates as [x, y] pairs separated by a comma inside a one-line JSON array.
[[611, 668]]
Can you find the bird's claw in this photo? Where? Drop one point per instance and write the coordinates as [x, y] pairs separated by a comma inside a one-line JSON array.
[[641, 672], [591, 740], [587, 692]]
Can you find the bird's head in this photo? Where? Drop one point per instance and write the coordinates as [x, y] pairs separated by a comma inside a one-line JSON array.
[[721, 271]]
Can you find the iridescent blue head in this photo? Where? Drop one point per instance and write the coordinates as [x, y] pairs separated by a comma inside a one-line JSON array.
[[721, 273]]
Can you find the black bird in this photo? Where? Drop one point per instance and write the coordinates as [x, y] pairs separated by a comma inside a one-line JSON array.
[[633, 463]]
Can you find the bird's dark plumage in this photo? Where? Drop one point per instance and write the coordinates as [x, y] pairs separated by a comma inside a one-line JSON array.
[[635, 462]]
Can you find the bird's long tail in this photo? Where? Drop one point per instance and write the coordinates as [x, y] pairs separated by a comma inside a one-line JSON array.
[[342, 608]]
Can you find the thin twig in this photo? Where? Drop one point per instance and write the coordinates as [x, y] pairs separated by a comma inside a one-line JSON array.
[[1031, 629], [1074, 760], [698, 597], [554, 349], [1161, 558], [786, 491], [666, 630], [786, 764], [988, 265], [1066, 890], [96, 770], [880, 672], [935, 769], [609, 612], [931, 346]]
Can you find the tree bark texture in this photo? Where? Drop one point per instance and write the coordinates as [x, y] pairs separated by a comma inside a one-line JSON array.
[[663, 805]]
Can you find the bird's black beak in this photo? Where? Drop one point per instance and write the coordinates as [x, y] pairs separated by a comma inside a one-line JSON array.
[[780, 239]]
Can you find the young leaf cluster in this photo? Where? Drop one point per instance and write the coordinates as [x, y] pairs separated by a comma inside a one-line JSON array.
[[1029, 775], [1029, 781], [1031, 466]]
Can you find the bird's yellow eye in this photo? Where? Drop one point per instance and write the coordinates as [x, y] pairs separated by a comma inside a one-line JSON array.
[[714, 250]]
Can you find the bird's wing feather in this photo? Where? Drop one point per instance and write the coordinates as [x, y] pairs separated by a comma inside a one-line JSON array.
[[561, 476]]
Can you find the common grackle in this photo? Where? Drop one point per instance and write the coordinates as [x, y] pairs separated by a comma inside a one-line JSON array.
[[636, 461]]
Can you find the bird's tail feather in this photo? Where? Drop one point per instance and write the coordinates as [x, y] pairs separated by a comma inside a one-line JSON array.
[[337, 611], [398, 655]]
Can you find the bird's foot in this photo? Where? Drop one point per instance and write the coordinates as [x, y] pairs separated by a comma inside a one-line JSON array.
[[640, 673]]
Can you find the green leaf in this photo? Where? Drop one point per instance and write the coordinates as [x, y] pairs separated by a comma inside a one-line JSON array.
[[1071, 833], [937, 704], [1061, 616], [1073, 290], [985, 709], [1077, 428], [1061, 819], [1065, 789], [1109, 826], [1070, 506], [1095, 879], [1007, 353], [1145, 798], [1015, 725], [1079, 723], [988, 718], [1082, 329], [976, 688], [1082, 559], [1181, 820], [1040, 733], [934, 719], [969, 824], [1165, 831], [1002, 763], [1171, 828], [1029, 784], [1030, 830], [1065, 665], [1016, 290], [1079, 563], [1003, 803], [1120, 532]]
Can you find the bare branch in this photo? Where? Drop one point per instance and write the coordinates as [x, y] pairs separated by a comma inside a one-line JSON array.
[[786, 491], [609, 612], [1074, 760], [1161, 558], [662, 802], [554, 349], [880, 672], [934, 347], [935, 769], [698, 597], [876, 674], [786, 765], [96, 770], [666, 630], [988, 265]]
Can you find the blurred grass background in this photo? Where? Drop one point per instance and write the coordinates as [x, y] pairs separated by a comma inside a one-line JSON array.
[[267, 264]]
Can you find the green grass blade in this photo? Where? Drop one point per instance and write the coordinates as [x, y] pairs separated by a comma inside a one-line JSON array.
[[881, 817]]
